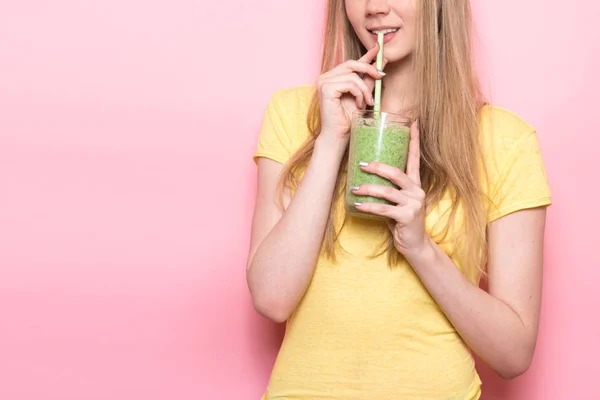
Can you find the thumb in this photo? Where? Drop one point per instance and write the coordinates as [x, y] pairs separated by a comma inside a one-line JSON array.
[[391, 225]]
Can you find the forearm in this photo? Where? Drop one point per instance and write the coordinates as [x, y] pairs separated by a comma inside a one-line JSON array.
[[284, 262], [489, 326]]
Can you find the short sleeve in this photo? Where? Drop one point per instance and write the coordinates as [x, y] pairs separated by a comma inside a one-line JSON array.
[[522, 182], [275, 137]]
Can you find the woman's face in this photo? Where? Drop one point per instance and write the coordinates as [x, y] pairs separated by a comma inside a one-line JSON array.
[[397, 18]]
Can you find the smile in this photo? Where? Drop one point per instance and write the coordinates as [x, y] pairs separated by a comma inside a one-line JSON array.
[[384, 31], [389, 33]]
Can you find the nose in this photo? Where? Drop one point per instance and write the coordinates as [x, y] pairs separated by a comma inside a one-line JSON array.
[[378, 7]]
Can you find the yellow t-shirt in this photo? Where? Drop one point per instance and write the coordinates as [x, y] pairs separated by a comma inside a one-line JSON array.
[[364, 330]]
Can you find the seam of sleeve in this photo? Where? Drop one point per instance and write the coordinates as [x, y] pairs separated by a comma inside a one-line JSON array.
[[269, 155], [521, 205]]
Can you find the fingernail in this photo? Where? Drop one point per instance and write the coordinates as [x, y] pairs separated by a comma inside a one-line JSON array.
[[354, 188], [375, 45], [363, 164], [381, 72], [385, 60], [357, 204]]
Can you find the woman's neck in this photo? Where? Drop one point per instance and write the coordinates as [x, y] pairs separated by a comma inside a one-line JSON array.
[[397, 94]]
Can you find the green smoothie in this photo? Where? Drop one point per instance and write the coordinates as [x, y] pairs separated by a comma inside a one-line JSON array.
[[372, 142]]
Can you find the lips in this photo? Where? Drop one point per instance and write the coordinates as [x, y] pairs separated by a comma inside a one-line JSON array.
[[389, 33], [385, 31]]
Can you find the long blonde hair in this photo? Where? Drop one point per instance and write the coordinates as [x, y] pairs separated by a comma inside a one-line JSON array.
[[448, 104]]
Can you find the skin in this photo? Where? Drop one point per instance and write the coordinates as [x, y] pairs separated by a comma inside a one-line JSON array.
[[499, 325], [367, 14]]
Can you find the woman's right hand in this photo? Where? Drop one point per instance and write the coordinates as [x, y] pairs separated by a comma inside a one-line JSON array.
[[342, 91]]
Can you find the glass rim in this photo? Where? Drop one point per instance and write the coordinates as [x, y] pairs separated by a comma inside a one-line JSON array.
[[403, 118]]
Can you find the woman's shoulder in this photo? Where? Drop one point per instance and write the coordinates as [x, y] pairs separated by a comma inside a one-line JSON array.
[[503, 132], [516, 176], [293, 101], [300, 92], [291, 105], [284, 126], [502, 123]]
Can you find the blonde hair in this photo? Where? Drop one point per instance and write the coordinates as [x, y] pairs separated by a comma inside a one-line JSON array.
[[447, 107]]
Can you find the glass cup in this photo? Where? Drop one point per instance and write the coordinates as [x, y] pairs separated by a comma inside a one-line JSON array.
[[374, 137]]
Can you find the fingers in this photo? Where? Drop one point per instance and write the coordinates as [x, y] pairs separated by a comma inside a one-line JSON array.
[[363, 68], [335, 90], [406, 206], [414, 155], [370, 54], [383, 192], [394, 175], [400, 214], [362, 65], [383, 210], [370, 79], [349, 72], [367, 93]]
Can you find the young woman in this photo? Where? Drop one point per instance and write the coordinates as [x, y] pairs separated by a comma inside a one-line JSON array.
[[398, 321]]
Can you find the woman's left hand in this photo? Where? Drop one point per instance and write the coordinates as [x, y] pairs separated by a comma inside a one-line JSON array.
[[407, 218]]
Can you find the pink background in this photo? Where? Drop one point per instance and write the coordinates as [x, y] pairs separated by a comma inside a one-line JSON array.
[[126, 189]]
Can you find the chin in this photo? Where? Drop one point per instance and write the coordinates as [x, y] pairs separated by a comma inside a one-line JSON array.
[[396, 55]]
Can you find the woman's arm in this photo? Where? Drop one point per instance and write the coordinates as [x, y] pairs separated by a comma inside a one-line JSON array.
[[284, 246], [500, 326]]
